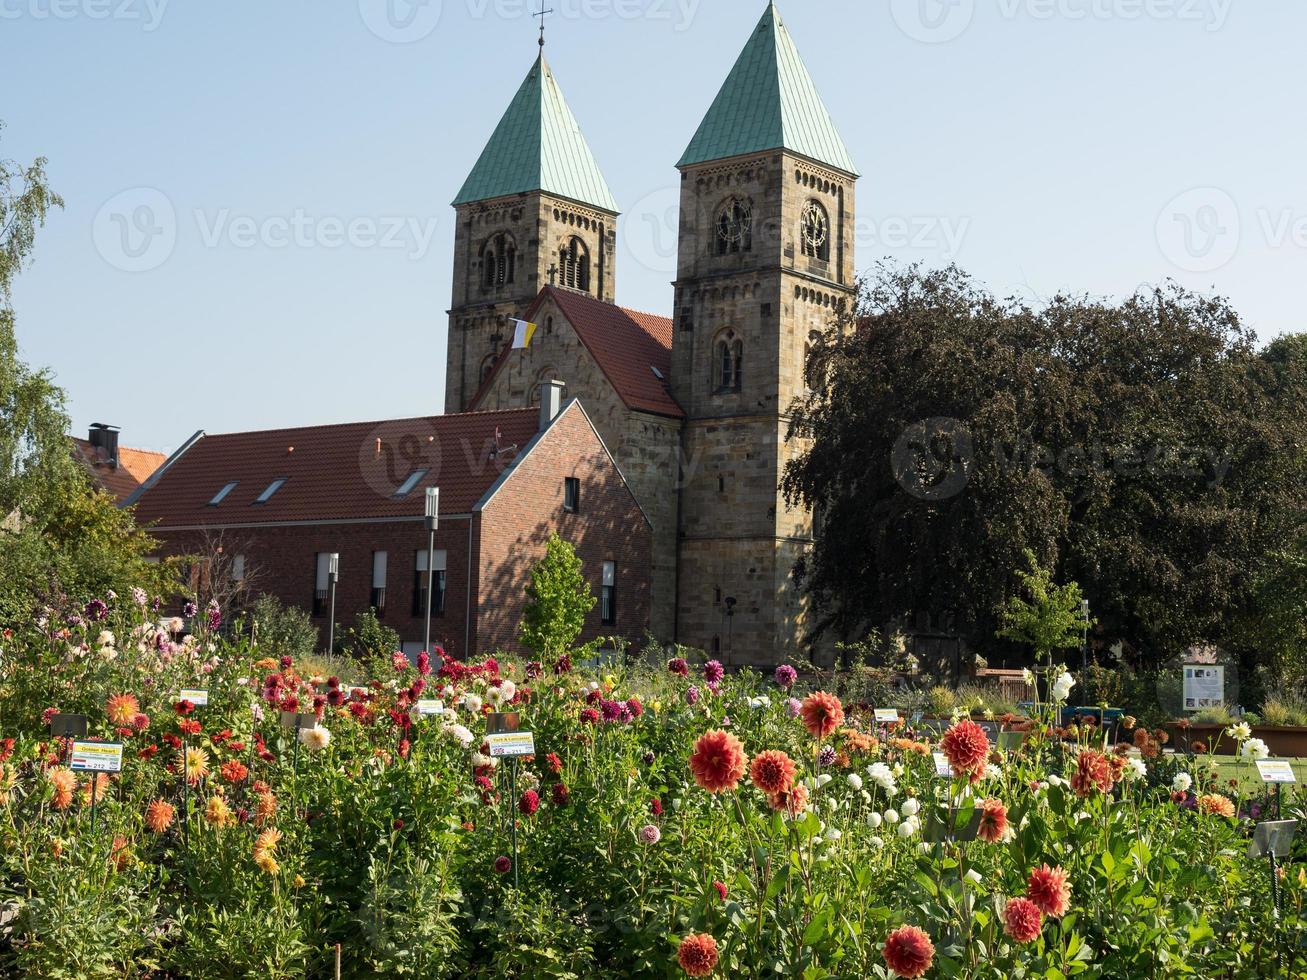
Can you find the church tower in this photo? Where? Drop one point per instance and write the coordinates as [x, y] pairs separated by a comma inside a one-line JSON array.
[[766, 260], [535, 211]]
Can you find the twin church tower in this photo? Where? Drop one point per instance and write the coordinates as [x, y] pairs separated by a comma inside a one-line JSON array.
[[694, 408]]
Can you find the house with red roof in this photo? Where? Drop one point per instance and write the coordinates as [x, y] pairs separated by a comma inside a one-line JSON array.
[[276, 505], [117, 470]]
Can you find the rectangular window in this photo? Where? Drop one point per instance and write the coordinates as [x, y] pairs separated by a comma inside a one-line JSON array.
[[437, 582], [238, 568], [379, 559], [321, 582], [608, 594], [221, 495], [571, 495], [273, 487]]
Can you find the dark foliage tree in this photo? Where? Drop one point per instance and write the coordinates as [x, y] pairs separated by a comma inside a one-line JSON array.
[[1142, 449]]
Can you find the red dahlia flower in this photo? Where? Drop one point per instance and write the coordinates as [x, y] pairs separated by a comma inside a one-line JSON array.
[[698, 955], [822, 713], [967, 748], [993, 821], [718, 761], [1022, 920], [772, 772], [1049, 890], [529, 803], [1093, 772], [909, 951]]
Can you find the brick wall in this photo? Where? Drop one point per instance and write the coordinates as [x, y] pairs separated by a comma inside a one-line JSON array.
[[516, 524]]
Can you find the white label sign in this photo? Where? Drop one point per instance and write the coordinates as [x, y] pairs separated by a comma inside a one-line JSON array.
[[96, 757], [887, 715], [942, 768], [198, 698], [511, 745], [1276, 772], [431, 707], [1204, 687]]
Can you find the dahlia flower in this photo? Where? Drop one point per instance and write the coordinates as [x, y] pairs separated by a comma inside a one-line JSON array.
[[159, 816], [697, 955], [993, 821], [772, 772], [64, 782], [1022, 920], [909, 952], [718, 761], [1049, 890], [122, 708], [967, 748], [822, 714]]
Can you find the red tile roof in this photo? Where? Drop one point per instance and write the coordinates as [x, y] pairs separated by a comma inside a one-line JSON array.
[[134, 467], [626, 344], [336, 472]]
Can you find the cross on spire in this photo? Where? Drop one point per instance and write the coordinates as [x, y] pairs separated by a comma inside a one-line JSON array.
[[541, 14]]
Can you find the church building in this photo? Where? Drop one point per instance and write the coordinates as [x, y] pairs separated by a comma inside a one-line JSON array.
[[694, 408]]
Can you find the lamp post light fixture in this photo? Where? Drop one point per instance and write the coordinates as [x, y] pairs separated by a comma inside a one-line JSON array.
[[333, 576], [1084, 635], [730, 624], [432, 520]]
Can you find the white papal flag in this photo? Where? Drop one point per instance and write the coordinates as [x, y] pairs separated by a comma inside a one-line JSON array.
[[523, 334]]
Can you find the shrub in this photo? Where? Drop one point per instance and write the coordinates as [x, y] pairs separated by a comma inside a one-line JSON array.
[[282, 630]]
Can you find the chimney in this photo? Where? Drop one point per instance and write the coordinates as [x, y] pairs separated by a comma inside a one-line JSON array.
[[104, 438], [551, 402]]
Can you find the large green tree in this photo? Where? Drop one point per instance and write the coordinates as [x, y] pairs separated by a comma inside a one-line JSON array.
[[1141, 448], [557, 600]]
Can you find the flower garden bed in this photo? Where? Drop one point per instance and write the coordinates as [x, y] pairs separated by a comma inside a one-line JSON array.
[[669, 823]]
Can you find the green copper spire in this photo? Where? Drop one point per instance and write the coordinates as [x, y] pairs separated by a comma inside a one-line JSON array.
[[538, 146], [769, 102]]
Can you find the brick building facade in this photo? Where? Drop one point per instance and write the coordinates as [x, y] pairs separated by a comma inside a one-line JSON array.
[[277, 503]]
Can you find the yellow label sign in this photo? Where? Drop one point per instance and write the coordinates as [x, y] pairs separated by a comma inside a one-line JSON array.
[[511, 745], [1276, 772], [96, 757], [198, 698]]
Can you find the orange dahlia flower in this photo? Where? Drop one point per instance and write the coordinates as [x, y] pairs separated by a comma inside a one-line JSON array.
[[158, 816], [967, 748], [697, 954], [792, 802], [1215, 803], [993, 821], [772, 772], [64, 782], [822, 714], [122, 708], [1093, 772], [718, 761], [1049, 890], [1022, 920]]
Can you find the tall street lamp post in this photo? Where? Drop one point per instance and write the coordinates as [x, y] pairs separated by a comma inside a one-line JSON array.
[[432, 519], [333, 575]]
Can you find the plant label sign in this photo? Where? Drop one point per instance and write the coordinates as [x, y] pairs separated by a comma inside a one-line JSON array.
[[511, 745], [198, 698], [887, 715], [1204, 687], [1274, 771], [96, 757], [942, 768], [431, 707]]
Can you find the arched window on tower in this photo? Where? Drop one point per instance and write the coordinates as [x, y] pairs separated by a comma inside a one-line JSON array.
[[815, 232], [734, 227], [730, 362], [499, 261], [574, 265], [491, 268]]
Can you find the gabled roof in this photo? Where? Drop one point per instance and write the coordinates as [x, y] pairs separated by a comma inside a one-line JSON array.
[[627, 345], [769, 102], [538, 146], [134, 467], [336, 472]]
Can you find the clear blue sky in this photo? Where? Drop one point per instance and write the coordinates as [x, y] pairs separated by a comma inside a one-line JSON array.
[[1089, 145]]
